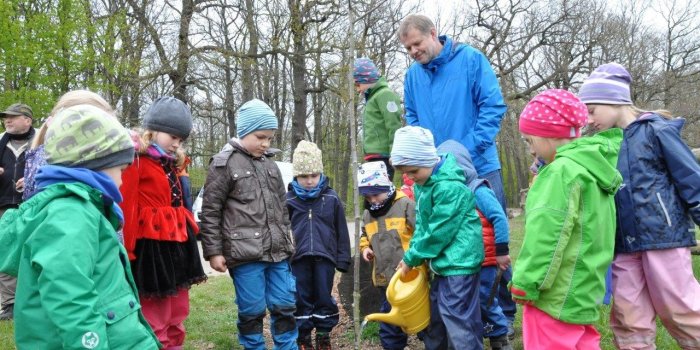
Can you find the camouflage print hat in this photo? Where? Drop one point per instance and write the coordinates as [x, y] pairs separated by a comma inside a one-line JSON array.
[[85, 136], [307, 159]]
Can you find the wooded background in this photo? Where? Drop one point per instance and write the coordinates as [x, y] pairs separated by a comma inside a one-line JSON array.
[[293, 54]]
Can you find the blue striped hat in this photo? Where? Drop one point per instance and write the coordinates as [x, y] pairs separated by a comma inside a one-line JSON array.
[[609, 84], [414, 146], [255, 115]]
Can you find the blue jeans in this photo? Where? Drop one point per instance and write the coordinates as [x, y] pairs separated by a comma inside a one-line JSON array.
[[260, 285], [455, 315], [505, 300], [495, 323], [391, 337], [316, 307]]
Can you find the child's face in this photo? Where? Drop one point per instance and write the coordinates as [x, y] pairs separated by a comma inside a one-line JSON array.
[[540, 147], [170, 143], [115, 173], [419, 175], [603, 117], [309, 181], [377, 198], [258, 142], [361, 88]]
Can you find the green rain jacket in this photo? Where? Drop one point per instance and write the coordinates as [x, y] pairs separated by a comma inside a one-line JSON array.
[[448, 230], [570, 230], [75, 289], [381, 118]]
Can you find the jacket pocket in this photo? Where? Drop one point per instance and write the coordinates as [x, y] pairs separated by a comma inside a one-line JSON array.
[[124, 327], [246, 185], [245, 244], [663, 208]]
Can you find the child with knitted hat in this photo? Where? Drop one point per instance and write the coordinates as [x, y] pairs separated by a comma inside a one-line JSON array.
[[245, 229], [75, 288], [447, 237], [322, 245], [388, 223], [159, 231], [559, 275], [382, 113], [656, 208]]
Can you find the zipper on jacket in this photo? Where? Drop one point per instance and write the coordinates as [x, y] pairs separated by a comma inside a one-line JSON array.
[[663, 207], [311, 230]]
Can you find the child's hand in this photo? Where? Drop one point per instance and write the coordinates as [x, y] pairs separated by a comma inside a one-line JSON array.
[[368, 254], [403, 268], [218, 263], [2, 171], [503, 261], [19, 185]]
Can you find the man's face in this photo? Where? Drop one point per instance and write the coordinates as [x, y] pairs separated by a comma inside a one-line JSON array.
[[421, 47], [17, 124]]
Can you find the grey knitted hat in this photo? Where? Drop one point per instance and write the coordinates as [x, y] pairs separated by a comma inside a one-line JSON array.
[[168, 114]]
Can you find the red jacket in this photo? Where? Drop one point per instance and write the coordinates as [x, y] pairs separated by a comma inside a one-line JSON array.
[[147, 206], [489, 241]]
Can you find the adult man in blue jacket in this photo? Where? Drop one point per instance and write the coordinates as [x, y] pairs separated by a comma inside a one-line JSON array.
[[452, 90]]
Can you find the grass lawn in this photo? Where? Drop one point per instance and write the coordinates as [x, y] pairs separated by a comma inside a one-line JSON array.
[[211, 324]]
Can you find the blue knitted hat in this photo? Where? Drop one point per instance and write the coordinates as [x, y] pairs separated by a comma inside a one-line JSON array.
[[414, 146], [255, 115], [365, 72]]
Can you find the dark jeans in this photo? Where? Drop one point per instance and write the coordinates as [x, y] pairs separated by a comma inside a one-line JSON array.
[[455, 314], [316, 307]]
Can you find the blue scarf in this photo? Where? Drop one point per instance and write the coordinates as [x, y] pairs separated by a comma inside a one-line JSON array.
[[313, 193], [51, 174]]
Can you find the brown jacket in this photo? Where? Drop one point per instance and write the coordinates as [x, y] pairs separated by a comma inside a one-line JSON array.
[[244, 216]]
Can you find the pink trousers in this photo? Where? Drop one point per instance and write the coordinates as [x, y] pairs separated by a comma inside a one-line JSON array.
[[541, 331], [655, 283], [167, 316]]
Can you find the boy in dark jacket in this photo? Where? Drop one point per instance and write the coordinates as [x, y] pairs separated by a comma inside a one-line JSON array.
[[322, 245], [495, 231]]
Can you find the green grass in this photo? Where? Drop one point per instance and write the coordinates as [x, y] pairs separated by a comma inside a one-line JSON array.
[[211, 324]]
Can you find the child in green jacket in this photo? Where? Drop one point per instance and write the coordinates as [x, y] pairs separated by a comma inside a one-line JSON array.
[[447, 236], [75, 289], [570, 225]]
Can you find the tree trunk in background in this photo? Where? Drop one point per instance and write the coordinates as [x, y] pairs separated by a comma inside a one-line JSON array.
[[298, 61], [249, 64]]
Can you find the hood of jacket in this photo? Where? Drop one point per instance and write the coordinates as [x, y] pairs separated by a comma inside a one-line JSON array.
[[464, 161], [449, 51], [449, 171], [379, 85], [597, 154]]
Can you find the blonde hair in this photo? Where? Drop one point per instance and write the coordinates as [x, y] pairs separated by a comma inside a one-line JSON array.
[[70, 99], [638, 111], [148, 136]]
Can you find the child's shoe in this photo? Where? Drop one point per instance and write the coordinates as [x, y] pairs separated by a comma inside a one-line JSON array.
[[304, 342], [500, 343], [323, 341]]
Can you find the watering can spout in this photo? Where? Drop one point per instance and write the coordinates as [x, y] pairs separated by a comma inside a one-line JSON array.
[[393, 317]]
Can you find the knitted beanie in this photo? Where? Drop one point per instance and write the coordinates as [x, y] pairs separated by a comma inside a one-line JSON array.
[[373, 178], [365, 72], [609, 84], [255, 115], [85, 136], [554, 113], [414, 146], [170, 115], [307, 159]]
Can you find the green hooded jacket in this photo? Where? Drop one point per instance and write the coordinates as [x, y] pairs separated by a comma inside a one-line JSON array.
[[448, 230], [381, 118], [74, 289], [570, 230]]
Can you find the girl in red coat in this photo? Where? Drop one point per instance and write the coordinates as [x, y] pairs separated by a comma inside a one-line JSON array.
[[158, 229]]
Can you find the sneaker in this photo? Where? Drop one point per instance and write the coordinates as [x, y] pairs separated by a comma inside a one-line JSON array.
[[7, 313], [500, 343], [323, 341], [304, 342], [511, 331]]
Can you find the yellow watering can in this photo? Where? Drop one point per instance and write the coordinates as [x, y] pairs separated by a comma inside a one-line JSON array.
[[410, 304]]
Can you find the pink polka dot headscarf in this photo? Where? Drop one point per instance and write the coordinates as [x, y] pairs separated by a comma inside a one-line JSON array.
[[554, 113]]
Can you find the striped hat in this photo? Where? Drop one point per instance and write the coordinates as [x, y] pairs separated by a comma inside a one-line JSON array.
[[414, 146], [609, 84], [255, 115]]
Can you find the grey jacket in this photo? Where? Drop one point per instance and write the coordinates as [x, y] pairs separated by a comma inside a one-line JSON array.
[[244, 216]]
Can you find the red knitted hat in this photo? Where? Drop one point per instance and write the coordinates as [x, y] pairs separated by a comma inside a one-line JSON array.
[[554, 113]]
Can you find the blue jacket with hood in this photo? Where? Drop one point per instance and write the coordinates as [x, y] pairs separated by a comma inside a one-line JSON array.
[[457, 96], [319, 226], [661, 189]]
